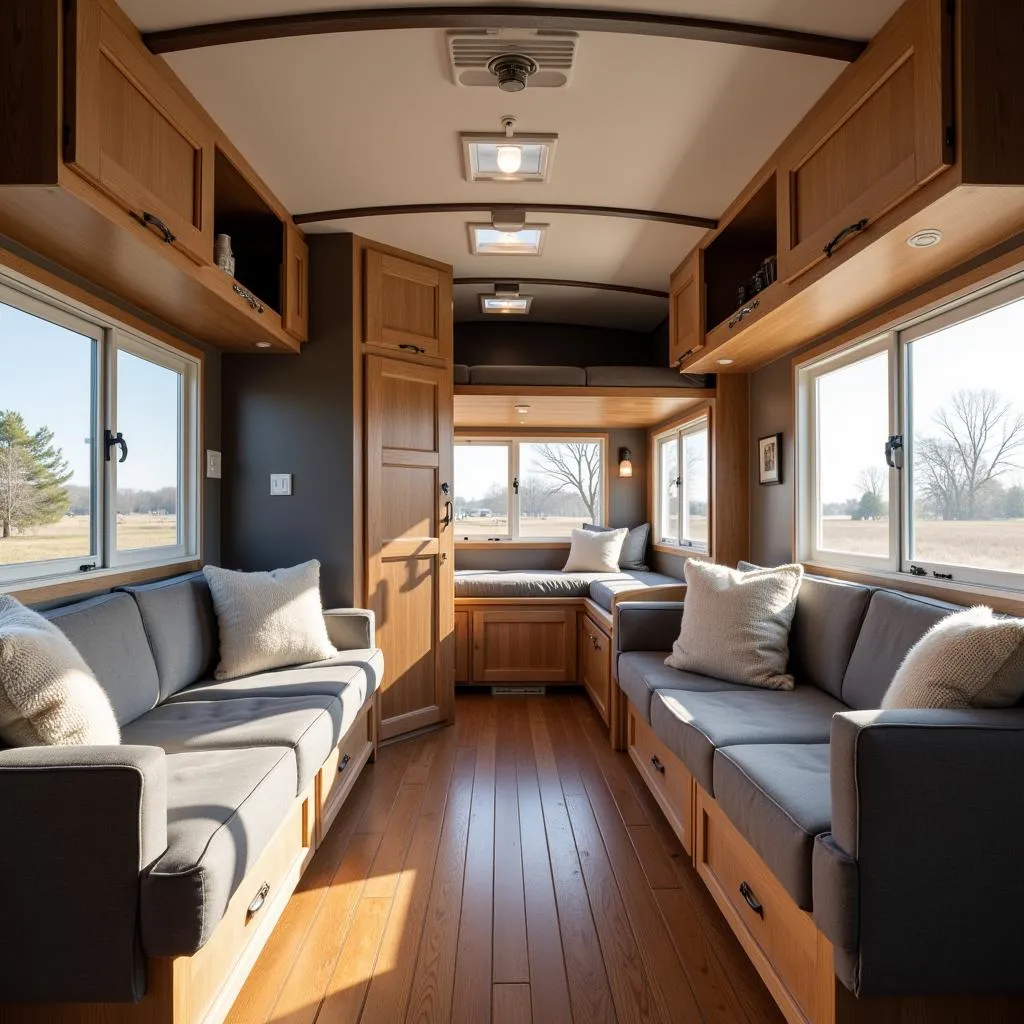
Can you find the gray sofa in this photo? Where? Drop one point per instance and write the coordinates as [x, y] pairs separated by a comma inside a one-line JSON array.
[[115, 854], [899, 831]]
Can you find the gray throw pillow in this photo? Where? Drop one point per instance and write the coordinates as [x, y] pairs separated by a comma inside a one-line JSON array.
[[268, 619], [634, 547], [970, 659], [48, 695], [736, 624]]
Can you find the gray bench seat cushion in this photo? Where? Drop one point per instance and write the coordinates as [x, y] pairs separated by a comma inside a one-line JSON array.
[[692, 725], [643, 377], [108, 633], [604, 591], [351, 676], [223, 807], [778, 796], [310, 726], [539, 583], [529, 376], [643, 672]]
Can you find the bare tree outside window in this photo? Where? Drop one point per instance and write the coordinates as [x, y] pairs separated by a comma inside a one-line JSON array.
[[572, 468]]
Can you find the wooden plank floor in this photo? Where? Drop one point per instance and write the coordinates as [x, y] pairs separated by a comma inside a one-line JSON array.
[[512, 869]]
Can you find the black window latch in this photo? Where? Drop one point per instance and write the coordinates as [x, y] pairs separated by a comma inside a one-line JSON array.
[[112, 440], [916, 570], [894, 451]]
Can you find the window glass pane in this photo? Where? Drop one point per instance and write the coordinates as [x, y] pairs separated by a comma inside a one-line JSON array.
[[481, 490], [668, 498], [148, 415], [853, 480], [695, 484], [46, 440], [559, 487], [966, 453]]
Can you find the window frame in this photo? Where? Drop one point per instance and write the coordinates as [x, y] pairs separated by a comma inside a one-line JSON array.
[[691, 424], [513, 442], [109, 336], [898, 339]]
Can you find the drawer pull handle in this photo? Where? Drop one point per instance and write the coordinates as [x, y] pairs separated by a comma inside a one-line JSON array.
[[257, 901], [744, 312], [752, 901], [254, 304], [413, 348], [850, 229], [151, 220], [343, 763], [656, 764]]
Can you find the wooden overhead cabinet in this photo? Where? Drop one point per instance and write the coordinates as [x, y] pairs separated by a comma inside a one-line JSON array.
[[686, 309]]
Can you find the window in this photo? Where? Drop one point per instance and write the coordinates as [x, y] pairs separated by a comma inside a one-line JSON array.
[[533, 489], [911, 447], [69, 377], [681, 486]]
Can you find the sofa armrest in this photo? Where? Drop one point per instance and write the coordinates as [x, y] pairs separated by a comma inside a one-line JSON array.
[[351, 629], [918, 885], [647, 625], [80, 826]]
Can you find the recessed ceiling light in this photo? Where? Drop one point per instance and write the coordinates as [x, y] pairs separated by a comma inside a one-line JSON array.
[[505, 156], [487, 240], [925, 238], [506, 305], [263, 344], [521, 409], [725, 362]]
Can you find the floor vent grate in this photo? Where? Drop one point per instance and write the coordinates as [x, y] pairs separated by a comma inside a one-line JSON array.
[[518, 691]]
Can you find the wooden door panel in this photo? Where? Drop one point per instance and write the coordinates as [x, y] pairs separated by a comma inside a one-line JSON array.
[[517, 645], [412, 510], [295, 290], [686, 309], [462, 639]]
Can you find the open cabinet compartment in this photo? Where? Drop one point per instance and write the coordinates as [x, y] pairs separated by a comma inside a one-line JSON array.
[[257, 232]]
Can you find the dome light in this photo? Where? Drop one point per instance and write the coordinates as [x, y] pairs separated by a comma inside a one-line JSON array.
[[509, 159]]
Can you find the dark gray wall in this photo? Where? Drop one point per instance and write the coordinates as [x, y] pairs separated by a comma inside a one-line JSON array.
[[512, 344], [288, 414]]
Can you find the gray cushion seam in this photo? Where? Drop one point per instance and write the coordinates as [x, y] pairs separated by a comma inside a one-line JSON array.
[[772, 799]]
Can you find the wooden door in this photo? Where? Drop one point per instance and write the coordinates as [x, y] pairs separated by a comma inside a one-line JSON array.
[[595, 654], [410, 578], [407, 305], [295, 283], [686, 309], [883, 130]]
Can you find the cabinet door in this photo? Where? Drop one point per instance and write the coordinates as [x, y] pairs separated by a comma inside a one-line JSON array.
[[686, 310], [462, 640], [410, 539], [524, 645], [595, 650], [407, 305], [295, 283], [136, 137], [880, 132]]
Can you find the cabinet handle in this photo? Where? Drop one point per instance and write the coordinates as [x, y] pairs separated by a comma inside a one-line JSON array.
[[752, 901], [257, 901], [656, 764], [151, 220], [343, 763], [850, 229], [413, 348], [449, 514], [254, 304], [745, 311]]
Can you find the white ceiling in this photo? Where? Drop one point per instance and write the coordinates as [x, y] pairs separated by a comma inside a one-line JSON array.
[[373, 118]]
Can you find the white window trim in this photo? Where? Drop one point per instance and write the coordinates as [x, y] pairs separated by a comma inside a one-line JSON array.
[[899, 340], [679, 431], [513, 442], [108, 336]]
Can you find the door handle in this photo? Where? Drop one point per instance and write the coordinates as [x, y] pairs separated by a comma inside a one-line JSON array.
[[449, 514], [751, 900], [850, 229]]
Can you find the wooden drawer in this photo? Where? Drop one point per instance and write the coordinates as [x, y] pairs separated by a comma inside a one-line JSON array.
[[341, 769], [879, 133], [596, 664], [666, 776], [780, 939], [517, 644]]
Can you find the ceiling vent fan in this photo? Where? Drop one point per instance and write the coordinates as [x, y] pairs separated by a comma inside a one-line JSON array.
[[511, 59]]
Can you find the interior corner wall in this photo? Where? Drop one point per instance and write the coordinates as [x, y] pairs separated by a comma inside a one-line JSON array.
[[294, 414]]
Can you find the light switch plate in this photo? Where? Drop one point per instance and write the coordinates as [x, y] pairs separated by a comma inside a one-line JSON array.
[[212, 464], [280, 484]]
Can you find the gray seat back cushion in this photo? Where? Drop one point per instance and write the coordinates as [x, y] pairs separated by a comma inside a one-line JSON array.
[[182, 628], [519, 376], [108, 633], [893, 624], [643, 377], [460, 373], [825, 626]]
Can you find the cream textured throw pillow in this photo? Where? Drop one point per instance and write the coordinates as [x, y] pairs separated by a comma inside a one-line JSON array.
[[736, 624], [970, 659], [268, 619], [595, 552], [48, 695]]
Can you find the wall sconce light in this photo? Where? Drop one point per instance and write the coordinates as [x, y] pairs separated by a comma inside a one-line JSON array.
[[625, 462]]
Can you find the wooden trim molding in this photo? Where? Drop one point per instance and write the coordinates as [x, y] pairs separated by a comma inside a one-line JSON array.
[[98, 582], [624, 22], [554, 282], [405, 209]]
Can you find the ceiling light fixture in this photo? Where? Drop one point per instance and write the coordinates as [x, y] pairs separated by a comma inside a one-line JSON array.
[[506, 301], [726, 362], [522, 410], [505, 156], [262, 344], [494, 240], [925, 238]]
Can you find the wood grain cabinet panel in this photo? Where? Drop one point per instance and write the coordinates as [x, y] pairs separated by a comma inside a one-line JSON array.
[[462, 646], [596, 664], [524, 645], [884, 131], [295, 283], [686, 309], [407, 305], [135, 137]]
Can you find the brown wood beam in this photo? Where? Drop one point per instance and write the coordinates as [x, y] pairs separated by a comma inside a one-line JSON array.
[[661, 216], [555, 282], [376, 19]]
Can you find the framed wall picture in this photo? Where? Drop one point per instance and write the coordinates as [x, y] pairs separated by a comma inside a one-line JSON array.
[[769, 459]]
